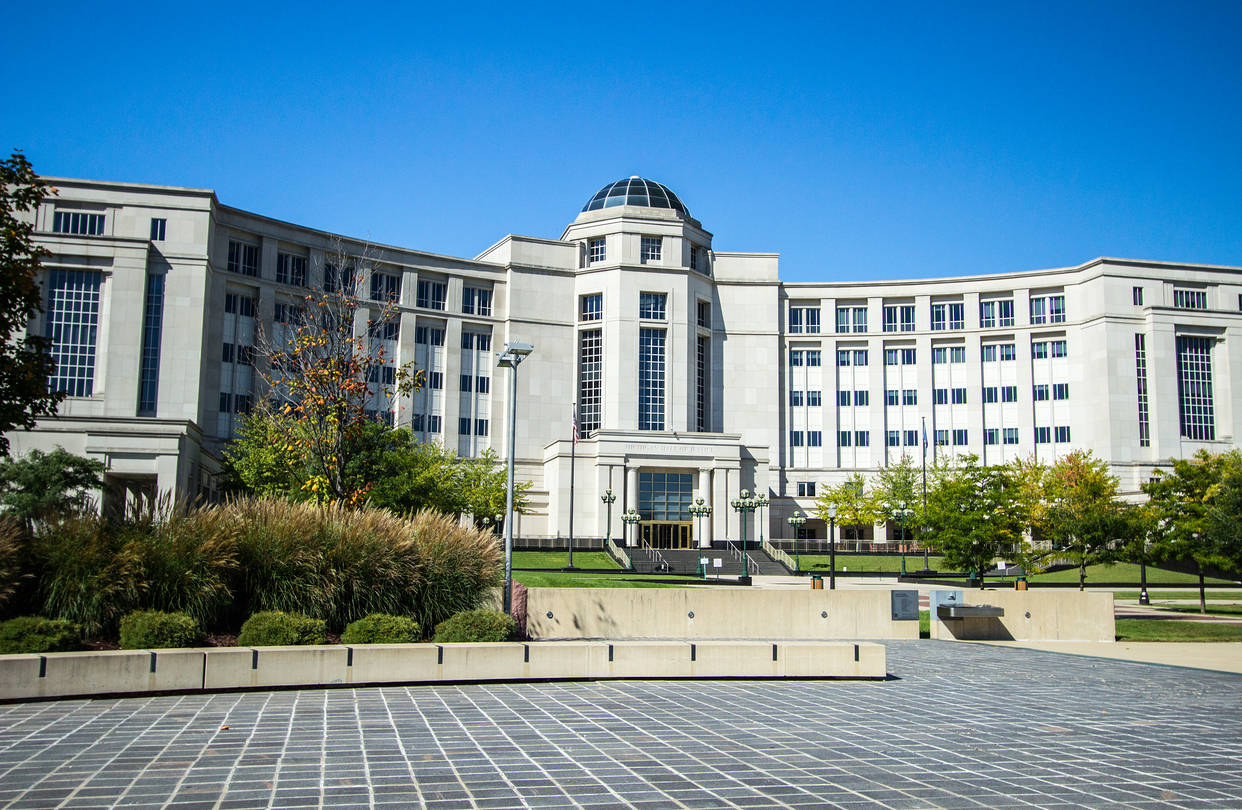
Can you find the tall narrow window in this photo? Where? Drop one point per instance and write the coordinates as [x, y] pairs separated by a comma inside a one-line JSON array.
[[72, 321], [243, 258], [385, 287], [703, 365], [476, 301], [590, 377], [152, 327], [591, 307], [1194, 388], [158, 228], [651, 379], [431, 294], [704, 310], [290, 269], [939, 317]]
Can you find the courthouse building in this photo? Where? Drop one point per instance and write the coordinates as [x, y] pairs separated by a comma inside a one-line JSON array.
[[697, 371]]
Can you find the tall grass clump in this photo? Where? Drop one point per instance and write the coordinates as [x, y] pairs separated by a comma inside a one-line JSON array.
[[86, 572], [374, 560], [280, 564], [461, 566], [12, 551]]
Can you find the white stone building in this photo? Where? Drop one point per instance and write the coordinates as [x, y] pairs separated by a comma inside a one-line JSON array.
[[697, 372]]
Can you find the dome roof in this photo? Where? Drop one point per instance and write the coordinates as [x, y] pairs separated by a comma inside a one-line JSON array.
[[635, 190]]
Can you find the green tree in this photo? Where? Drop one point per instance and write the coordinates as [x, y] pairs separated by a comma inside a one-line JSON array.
[[43, 484], [25, 363], [900, 486], [975, 514], [855, 505], [1091, 523]]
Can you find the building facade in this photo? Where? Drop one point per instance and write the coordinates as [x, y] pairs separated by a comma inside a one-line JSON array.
[[696, 371]]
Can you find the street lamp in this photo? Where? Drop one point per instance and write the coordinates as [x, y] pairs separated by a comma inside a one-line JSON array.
[[903, 514], [832, 546], [513, 355], [761, 503], [744, 503], [797, 520], [631, 518], [608, 499], [700, 510], [928, 533]]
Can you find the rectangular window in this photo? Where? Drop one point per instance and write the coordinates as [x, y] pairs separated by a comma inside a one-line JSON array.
[[891, 357], [959, 396], [851, 319], [338, 279], [1004, 312], [72, 322], [844, 438], [1136, 294], [1058, 348], [384, 330], [694, 257], [795, 357], [960, 438], [1039, 350], [597, 250], [651, 249], [483, 385], [860, 357], [463, 425], [909, 357], [227, 353], [939, 319], [591, 307], [702, 382], [1043, 435], [1039, 310], [590, 378], [843, 357], [907, 317], [480, 427], [909, 396], [243, 259], [796, 399], [387, 375], [988, 352], [804, 319], [236, 304], [433, 423], [1140, 369], [987, 314], [290, 269], [1011, 435], [989, 394], [1009, 393], [860, 397], [417, 422], [476, 301], [158, 229], [78, 223], [1189, 299], [435, 380], [795, 438], [892, 397], [911, 437], [1056, 309], [1039, 392], [1194, 388], [813, 357], [1008, 351], [940, 355], [466, 383], [862, 438], [704, 312], [429, 335], [650, 379], [957, 354], [1062, 433], [991, 436], [957, 316], [814, 438], [1060, 391], [152, 331], [844, 398], [898, 317], [385, 287], [942, 438], [806, 489], [940, 396], [892, 438], [431, 294], [651, 306]]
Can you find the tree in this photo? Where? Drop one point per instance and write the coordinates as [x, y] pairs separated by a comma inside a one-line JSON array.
[[25, 363], [899, 486], [327, 378], [975, 514], [44, 484], [855, 506], [1091, 523]]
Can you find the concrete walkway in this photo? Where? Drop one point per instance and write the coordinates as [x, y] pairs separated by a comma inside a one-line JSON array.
[[1216, 656]]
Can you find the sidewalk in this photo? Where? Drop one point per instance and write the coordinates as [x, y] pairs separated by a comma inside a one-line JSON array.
[[1217, 656]]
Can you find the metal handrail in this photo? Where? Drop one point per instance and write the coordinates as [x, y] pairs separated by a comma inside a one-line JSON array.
[[619, 554], [778, 555]]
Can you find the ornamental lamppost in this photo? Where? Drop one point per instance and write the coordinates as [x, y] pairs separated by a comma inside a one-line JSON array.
[[832, 546], [608, 499], [513, 355], [761, 503], [903, 514], [797, 520], [631, 518], [700, 510], [928, 534], [744, 503]]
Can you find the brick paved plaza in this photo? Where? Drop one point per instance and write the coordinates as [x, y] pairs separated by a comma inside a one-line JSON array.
[[959, 725]]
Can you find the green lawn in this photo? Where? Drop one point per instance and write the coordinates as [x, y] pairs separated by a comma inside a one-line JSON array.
[[1220, 610], [1173, 630], [1164, 596], [924, 624], [847, 563], [560, 559], [1124, 572], [562, 579]]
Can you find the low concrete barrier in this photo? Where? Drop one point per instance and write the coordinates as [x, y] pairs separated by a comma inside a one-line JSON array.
[[710, 613], [209, 669], [1032, 615]]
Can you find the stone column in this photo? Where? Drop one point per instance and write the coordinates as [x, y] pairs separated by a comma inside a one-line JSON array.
[[631, 501], [705, 490]]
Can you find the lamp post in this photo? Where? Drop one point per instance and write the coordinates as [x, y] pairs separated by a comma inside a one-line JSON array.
[[928, 533], [513, 355], [903, 515], [797, 520], [761, 504], [700, 510], [631, 518], [744, 503], [608, 498], [832, 546]]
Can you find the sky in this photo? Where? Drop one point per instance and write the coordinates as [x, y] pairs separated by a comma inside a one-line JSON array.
[[866, 141]]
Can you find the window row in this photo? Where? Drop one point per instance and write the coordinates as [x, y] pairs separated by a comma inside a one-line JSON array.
[[994, 312]]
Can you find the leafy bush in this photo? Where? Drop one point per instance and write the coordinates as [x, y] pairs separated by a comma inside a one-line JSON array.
[[154, 629], [379, 628], [476, 625], [35, 634], [273, 628]]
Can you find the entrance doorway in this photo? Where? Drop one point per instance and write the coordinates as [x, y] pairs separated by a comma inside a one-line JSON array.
[[667, 534]]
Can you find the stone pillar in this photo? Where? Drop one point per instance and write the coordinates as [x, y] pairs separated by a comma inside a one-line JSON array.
[[705, 490], [631, 501]]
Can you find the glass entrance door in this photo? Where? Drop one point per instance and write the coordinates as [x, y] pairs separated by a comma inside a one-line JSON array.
[[666, 534]]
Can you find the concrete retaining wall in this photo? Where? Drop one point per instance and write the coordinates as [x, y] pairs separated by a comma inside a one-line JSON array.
[[733, 613], [131, 672], [1034, 615]]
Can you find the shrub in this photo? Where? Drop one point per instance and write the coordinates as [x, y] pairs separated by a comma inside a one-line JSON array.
[[462, 565], [35, 634], [476, 625], [11, 552], [86, 572], [273, 628], [379, 628], [154, 629]]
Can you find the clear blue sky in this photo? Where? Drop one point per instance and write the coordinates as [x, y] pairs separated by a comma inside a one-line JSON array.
[[860, 142]]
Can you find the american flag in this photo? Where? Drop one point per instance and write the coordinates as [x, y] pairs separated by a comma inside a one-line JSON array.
[[575, 421]]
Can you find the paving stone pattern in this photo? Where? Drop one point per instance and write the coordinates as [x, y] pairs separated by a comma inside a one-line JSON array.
[[959, 725]]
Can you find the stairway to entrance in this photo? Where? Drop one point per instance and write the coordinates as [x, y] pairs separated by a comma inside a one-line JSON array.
[[686, 562]]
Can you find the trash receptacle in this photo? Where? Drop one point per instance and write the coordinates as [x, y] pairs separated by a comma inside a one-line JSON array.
[[1020, 584], [817, 582]]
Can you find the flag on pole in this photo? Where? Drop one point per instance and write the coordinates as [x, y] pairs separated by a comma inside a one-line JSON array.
[[925, 434], [575, 420]]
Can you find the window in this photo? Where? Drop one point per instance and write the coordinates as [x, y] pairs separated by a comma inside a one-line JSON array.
[[804, 319], [476, 301], [991, 436], [387, 375], [862, 438], [290, 269], [466, 383], [480, 427], [892, 397], [338, 279], [989, 352], [909, 396], [435, 380], [891, 357], [1058, 348], [243, 258], [857, 357], [1136, 293], [78, 223], [1009, 393], [1004, 312], [851, 319], [1194, 388], [476, 340], [957, 354], [431, 294], [940, 396], [1039, 350], [1140, 368], [433, 423], [1039, 310], [989, 394], [987, 314], [597, 250], [1189, 299], [814, 438], [429, 335], [942, 438], [940, 355], [899, 316], [843, 397], [957, 316], [702, 382], [939, 318], [463, 425], [591, 307], [237, 304], [152, 330], [1039, 392], [1060, 391], [650, 379], [911, 437], [651, 249], [385, 287], [959, 396], [892, 438], [1062, 433], [483, 385], [796, 398], [795, 438], [795, 357], [908, 357], [1043, 435], [1056, 309], [1011, 435], [844, 438], [704, 312], [806, 489], [158, 228], [651, 306], [694, 257], [1008, 351], [860, 397], [813, 357], [590, 378], [960, 438], [416, 423]]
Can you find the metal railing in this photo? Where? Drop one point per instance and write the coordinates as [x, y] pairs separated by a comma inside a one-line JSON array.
[[620, 555], [779, 555], [738, 555]]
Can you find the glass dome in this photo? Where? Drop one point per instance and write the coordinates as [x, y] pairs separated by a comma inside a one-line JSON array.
[[635, 191]]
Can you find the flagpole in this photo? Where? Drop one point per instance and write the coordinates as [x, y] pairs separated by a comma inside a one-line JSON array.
[[921, 540], [573, 458]]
